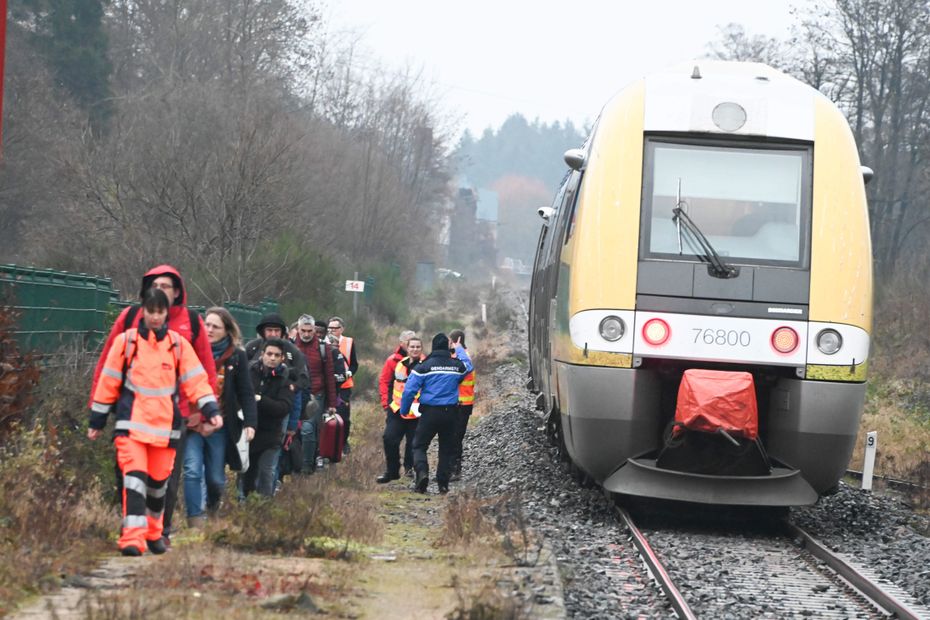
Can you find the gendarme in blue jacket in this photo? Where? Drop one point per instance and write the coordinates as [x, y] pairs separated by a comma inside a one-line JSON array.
[[437, 379]]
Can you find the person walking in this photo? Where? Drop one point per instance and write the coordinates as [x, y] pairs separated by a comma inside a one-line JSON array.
[[274, 399], [396, 426], [145, 370], [336, 327], [436, 380], [322, 391], [189, 325], [207, 453], [273, 326], [466, 404]]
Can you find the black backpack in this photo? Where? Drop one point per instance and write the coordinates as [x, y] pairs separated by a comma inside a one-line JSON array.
[[339, 363]]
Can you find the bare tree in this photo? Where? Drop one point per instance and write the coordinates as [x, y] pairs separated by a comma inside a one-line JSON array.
[[735, 44]]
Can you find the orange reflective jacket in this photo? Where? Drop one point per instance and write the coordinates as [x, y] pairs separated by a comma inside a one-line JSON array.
[[467, 389], [401, 372], [142, 376], [345, 347]]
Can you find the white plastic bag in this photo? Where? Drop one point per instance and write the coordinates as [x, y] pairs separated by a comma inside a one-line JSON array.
[[243, 447]]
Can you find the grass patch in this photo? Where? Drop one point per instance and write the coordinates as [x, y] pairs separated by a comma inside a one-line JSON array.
[[321, 515], [52, 521]]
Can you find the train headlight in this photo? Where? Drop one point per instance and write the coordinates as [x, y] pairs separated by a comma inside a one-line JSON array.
[[829, 341], [612, 328], [785, 340], [656, 332]]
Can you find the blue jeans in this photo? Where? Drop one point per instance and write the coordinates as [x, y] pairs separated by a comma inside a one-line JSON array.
[[309, 436], [204, 459]]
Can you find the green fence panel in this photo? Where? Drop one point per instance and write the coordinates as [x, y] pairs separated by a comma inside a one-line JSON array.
[[56, 308], [246, 316]]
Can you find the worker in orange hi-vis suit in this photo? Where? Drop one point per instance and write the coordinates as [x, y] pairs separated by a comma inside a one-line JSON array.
[[144, 372]]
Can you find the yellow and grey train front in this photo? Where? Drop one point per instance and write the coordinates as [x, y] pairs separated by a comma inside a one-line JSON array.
[[715, 219]]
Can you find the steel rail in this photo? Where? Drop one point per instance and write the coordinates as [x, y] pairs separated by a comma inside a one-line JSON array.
[[677, 600], [904, 485], [866, 586]]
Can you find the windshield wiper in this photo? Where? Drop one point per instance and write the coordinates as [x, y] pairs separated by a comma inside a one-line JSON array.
[[716, 267]]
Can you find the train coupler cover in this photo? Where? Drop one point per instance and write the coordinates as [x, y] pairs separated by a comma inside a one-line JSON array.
[[715, 400], [716, 426]]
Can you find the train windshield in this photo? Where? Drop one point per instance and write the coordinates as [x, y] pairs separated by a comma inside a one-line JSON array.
[[753, 204]]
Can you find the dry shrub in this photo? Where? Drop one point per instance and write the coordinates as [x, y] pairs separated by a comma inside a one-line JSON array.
[[310, 511], [51, 520], [464, 520], [902, 427], [486, 603], [901, 346], [18, 375]]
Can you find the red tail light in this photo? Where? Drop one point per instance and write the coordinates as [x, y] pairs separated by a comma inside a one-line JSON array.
[[785, 340], [656, 332]]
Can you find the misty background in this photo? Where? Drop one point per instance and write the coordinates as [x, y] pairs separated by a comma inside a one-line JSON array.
[[268, 149]]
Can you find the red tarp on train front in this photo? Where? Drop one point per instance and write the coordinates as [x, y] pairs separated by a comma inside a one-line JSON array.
[[709, 400]]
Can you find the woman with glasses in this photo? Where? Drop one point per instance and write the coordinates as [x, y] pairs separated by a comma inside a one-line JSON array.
[[207, 452]]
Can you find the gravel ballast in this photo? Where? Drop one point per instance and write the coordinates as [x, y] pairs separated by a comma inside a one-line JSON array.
[[507, 454]]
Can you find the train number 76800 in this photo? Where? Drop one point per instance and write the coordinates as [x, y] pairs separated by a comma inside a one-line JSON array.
[[721, 337]]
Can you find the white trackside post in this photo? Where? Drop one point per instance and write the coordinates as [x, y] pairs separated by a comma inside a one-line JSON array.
[[868, 467], [484, 313]]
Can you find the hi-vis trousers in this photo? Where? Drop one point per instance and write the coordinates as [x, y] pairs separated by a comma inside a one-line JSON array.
[[146, 469]]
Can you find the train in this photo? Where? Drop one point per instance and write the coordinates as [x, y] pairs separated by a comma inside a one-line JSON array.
[[715, 219]]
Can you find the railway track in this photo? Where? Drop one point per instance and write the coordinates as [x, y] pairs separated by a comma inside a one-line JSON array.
[[770, 572]]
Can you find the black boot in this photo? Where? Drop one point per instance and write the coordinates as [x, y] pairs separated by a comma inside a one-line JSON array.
[[157, 546], [387, 477], [132, 552], [422, 482]]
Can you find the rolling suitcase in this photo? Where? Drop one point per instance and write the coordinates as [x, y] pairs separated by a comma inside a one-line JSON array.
[[332, 437]]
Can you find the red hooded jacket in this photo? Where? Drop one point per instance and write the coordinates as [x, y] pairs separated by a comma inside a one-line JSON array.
[[179, 320], [386, 380]]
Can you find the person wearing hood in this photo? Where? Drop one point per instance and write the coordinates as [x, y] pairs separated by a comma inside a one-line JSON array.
[[273, 326], [436, 380], [189, 325], [274, 398], [146, 369]]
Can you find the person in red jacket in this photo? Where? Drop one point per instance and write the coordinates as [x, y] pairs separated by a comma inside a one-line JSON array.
[[386, 390], [189, 325], [145, 370], [386, 379]]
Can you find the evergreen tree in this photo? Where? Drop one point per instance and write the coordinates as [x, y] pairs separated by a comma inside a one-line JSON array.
[[71, 34]]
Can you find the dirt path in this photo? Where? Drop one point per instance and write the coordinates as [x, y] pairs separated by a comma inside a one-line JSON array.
[[427, 562]]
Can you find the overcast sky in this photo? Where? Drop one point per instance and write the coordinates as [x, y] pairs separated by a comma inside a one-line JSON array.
[[553, 60]]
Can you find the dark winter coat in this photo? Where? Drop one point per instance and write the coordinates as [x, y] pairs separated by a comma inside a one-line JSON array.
[[237, 394], [277, 399]]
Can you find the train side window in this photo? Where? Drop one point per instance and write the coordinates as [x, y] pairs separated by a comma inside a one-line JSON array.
[[556, 222], [573, 207]]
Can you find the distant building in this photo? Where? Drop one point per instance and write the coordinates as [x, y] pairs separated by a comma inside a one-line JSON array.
[[468, 231]]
